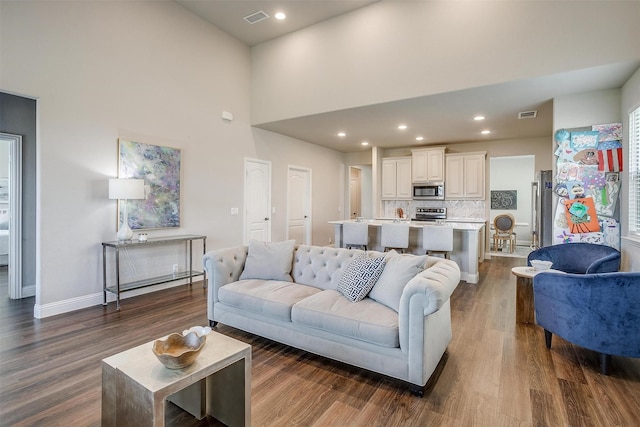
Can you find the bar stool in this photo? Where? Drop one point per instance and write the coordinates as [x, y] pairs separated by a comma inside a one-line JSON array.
[[437, 239], [395, 236], [355, 234]]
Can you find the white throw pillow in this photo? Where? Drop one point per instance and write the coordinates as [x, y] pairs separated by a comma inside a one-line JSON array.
[[399, 269], [269, 260], [360, 275]]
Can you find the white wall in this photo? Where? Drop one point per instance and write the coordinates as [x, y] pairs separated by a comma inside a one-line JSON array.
[[394, 50], [630, 101], [150, 72]]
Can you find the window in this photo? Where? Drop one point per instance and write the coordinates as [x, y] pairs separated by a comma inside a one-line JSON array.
[[634, 173]]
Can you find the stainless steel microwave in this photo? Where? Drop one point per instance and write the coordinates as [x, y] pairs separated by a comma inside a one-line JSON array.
[[428, 191]]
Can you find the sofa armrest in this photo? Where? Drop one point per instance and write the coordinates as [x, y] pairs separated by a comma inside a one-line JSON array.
[[425, 294], [223, 266]]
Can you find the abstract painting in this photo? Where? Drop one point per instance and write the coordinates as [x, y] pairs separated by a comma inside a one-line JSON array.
[[160, 169]]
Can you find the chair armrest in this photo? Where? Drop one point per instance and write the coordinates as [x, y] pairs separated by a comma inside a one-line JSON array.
[[607, 264], [426, 293]]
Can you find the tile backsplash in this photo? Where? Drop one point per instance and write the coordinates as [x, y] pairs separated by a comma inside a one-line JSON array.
[[467, 209]]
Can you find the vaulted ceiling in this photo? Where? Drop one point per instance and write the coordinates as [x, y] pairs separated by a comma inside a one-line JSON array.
[[441, 118]]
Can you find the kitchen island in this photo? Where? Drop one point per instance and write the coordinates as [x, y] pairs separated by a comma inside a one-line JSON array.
[[468, 242]]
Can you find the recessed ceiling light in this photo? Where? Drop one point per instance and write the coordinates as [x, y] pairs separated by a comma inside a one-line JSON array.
[[364, 143], [419, 138], [280, 15], [478, 118], [402, 127], [485, 132], [341, 134]]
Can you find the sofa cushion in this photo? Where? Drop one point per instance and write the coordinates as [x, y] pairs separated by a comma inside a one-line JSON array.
[[360, 276], [365, 320], [269, 260], [272, 298], [398, 270]]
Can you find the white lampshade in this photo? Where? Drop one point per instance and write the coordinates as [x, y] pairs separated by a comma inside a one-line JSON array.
[[126, 188]]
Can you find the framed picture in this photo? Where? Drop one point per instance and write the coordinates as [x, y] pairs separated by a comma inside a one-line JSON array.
[[504, 199], [160, 169]]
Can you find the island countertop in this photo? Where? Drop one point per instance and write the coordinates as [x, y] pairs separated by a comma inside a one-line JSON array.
[[418, 224], [468, 241]]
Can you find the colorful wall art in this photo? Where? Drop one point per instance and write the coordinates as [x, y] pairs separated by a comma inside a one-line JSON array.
[[160, 169], [587, 182]]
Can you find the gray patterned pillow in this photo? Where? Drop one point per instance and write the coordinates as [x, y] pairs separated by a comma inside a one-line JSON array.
[[360, 275]]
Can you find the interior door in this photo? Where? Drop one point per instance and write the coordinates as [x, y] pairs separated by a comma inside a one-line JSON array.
[[299, 205], [257, 200], [355, 192]]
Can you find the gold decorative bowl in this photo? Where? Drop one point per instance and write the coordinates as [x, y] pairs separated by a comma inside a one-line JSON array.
[[179, 351]]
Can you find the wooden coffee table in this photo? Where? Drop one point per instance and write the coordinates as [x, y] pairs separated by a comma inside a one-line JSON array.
[[525, 312], [136, 386]]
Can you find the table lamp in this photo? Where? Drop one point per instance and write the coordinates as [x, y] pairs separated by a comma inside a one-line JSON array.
[[125, 189]]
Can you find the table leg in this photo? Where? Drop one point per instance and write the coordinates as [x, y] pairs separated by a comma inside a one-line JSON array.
[[229, 394], [525, 312]]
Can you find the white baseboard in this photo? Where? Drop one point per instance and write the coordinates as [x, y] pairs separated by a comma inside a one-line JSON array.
[[41, 311], [28, 291]]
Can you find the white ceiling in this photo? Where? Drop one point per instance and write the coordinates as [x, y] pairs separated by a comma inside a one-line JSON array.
[[228, 15], [442, 118]]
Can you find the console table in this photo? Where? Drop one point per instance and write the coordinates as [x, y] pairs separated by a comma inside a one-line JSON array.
[[117, 245]]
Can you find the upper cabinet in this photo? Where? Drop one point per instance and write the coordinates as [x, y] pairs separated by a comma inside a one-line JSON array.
[[396, 178], [427, 164], [465, 176]]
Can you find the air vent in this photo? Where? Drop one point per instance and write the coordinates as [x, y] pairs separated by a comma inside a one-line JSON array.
[[256, 17], [527, 115]]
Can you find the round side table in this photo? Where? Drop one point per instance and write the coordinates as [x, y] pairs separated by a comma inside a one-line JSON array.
[[525, 312]]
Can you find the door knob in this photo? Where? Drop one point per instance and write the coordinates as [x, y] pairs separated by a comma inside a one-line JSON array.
[[266, 219]]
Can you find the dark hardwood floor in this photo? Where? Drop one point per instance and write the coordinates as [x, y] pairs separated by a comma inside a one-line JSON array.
[[495, 372]]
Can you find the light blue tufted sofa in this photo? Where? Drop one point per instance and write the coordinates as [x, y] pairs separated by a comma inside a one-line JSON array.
[[312, 315]]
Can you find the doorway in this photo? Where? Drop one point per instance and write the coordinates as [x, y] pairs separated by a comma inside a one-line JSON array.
[[257, 200], [299, 205], [355, 192], [18, 117], [360, 192], [510, 184]]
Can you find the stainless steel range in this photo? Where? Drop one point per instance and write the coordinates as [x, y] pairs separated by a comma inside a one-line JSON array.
[[430, 214]]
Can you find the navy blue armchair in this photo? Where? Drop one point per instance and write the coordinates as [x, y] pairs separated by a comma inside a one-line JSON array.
[[580, 257], [600, 312]]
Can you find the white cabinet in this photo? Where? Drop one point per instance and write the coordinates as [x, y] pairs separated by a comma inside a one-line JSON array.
[[427, 164], [465, 176], [396, 178]]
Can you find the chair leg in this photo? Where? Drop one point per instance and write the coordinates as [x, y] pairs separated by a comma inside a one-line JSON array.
[[605, 361], [547, 338]]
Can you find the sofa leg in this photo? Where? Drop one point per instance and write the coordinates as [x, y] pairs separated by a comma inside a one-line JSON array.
[[547, 338], [212, 323], [416, 390], [605, 361]]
